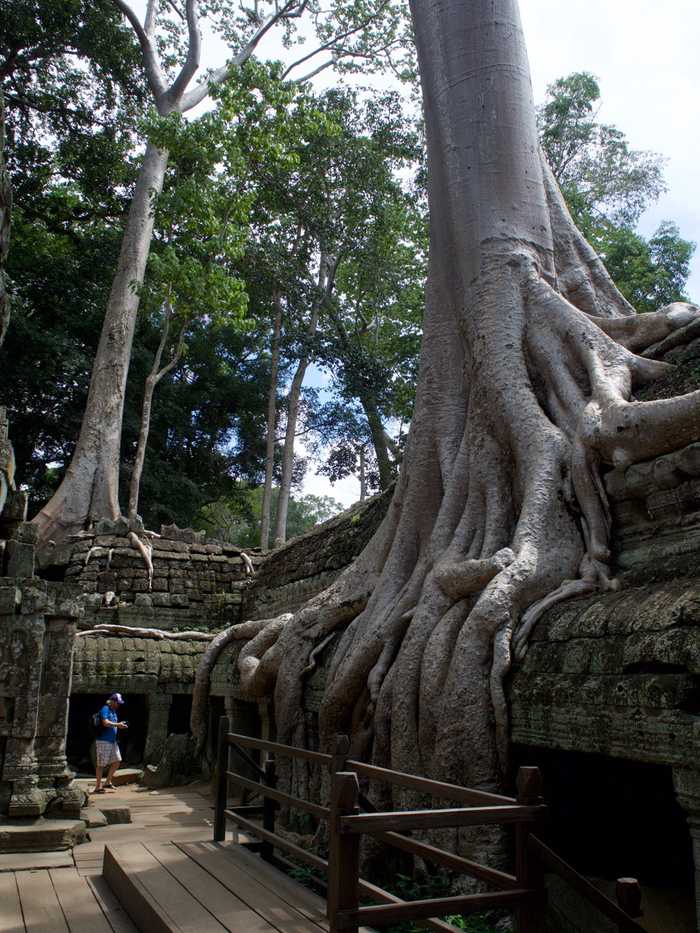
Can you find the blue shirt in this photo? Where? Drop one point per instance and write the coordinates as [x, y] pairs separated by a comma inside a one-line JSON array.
[[108, 733]]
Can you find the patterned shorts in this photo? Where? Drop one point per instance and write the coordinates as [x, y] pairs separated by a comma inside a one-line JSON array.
[[106, 753]]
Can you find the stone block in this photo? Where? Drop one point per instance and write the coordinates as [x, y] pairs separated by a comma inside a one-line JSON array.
[[115, 814], [93, 818], [127, 776], [19, 559]]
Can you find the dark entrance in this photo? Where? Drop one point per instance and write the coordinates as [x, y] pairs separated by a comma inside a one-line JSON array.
[[610, 818], [179, 714], [81, 737]]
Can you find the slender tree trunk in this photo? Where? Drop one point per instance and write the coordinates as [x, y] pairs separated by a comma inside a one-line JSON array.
[[379, 442], [288, 452], [154, 377], [89, 490], [271, 423], [5, 215], [325, 284], [363, 475]]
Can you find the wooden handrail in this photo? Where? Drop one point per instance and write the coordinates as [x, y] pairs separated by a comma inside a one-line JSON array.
[[438, 789], [263, 745], [455, 863], [384, 914], [523, 892], [279, 795], [555, 864], [405, 820]]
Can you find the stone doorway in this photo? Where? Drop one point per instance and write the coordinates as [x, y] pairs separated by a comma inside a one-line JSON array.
[[80, 735]]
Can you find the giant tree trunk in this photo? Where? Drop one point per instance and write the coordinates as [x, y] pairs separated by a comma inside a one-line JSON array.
[[524, 390], [89, 490], [5, 213], [271, 424]]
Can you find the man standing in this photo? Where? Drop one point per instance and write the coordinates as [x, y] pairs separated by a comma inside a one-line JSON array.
[[106, 749]]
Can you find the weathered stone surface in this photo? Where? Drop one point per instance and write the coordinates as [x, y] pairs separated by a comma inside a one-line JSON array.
[[93, 818], [617, 674], [127, 776], [114, 814], [40, 835]]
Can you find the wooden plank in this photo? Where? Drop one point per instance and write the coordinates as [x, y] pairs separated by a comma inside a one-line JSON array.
[[153, 898], [118, 919], [10, 909], [308, 903], [82, 912], [228, 909], [405, 820], [282, 916], [42, 912]]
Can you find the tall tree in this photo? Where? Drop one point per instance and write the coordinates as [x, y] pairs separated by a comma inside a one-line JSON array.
[[170, 41], [525, 388], [5, 216]]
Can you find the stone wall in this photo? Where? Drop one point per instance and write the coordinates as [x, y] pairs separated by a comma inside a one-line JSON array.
[[37, 628], [194, 584], [292, 574]]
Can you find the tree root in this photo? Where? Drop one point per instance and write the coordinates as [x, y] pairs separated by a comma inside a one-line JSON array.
[[154, 633], [200, 692]]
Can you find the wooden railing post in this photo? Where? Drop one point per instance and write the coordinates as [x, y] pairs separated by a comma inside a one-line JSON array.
[[528, 869], [221, 781], [343, 851], [269, 780], [629, 899], [341, 750]]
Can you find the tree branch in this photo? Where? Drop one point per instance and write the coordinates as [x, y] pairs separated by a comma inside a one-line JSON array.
[[154, 75], [335, 40], [194, 51], [149, 22], [201, 91]]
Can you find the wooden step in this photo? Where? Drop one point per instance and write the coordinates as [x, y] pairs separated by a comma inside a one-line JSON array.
[[153, 898], [285, 905]]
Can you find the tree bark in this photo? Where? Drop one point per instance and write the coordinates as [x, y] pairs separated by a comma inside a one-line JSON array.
[[271, 423], [5, 216], [524, 389], [89, 490]]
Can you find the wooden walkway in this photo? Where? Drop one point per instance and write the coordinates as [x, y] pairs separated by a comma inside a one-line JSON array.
[[163, 874], [59, 900], [205, 887]]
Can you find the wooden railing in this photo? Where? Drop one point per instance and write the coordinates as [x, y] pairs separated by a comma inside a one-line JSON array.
[[349, 815]]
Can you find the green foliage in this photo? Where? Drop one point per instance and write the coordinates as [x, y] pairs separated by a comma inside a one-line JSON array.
[[237, 518], [607, 186], [600, 176], [649, 273]]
